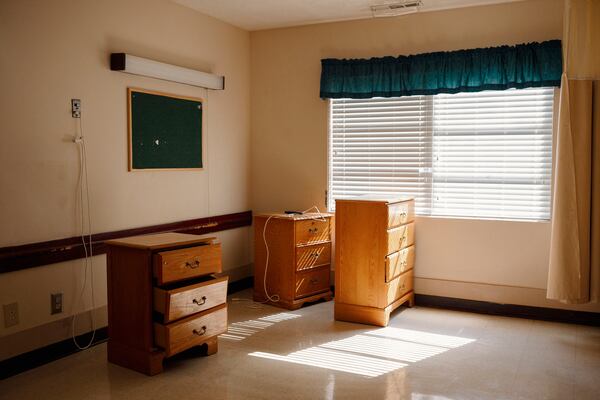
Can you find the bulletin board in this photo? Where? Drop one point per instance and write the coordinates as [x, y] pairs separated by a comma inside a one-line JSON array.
[[165, 131]]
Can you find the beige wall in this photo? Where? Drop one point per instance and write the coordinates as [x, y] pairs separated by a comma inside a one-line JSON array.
[[289, 137], [53, 51]]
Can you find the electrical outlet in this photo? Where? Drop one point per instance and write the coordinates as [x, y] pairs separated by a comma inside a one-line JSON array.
[[56, 303], [11, 314], [76, 108]]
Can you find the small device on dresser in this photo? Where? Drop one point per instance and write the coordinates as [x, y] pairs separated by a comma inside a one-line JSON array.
[[374, 257], [295, 263], [163, 298]]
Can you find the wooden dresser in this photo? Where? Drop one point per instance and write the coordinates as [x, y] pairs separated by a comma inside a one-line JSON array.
[[374, 258], [162, 298], [299, 258]]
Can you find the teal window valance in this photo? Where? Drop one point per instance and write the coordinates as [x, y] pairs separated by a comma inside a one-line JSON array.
[[493, 68]]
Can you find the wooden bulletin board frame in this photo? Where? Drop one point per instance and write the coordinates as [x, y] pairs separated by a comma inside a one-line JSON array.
[[130, 92]]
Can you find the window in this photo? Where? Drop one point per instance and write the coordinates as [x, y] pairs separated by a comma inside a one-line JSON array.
[[484, 155]]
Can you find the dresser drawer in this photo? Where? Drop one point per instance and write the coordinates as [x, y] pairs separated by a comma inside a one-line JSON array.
[[308, 257], [401, 213], [178, 302], [400, 286], [177, 265], [312, 281], [399, 262], [312, 231], [191, 331], [400, 237]]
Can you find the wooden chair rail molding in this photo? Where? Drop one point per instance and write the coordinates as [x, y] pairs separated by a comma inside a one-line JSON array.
[[14, 258]]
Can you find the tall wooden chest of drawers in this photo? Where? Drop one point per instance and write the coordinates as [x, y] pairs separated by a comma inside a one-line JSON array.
[[163, 298], [299, 258], [374, 258]]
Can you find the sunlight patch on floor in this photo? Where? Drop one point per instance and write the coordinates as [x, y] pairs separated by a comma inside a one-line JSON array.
[[336, 360], [410, 335], [385, 348], [237, 331], [373, 353]]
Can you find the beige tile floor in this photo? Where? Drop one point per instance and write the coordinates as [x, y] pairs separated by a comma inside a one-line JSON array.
[[270, 353]]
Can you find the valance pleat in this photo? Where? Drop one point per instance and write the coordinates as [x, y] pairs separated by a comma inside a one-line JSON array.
[[493, 68]]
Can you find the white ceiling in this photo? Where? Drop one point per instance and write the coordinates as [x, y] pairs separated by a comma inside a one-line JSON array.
[[255, 15]]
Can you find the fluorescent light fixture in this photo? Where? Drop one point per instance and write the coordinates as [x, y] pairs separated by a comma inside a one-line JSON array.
[[396, 8], [142, 66]]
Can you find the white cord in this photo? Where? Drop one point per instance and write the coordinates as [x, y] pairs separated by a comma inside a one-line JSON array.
[[319, 218], [88, 262], [275, 298], [206, 151]]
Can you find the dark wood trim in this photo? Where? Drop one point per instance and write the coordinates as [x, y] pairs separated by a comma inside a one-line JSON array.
[[509, 310], [31, 255], [44, 355], [242, 284]]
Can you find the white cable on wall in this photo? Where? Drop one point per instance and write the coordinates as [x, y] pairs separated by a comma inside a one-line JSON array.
[[84, 197]]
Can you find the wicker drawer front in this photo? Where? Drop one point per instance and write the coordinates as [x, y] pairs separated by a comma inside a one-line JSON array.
[[400, 237], [177, 265], [176, 303], [308, 257], [191, 331], [311, 282], [399, 262], [401, 213], [312, 231], [399, 286]]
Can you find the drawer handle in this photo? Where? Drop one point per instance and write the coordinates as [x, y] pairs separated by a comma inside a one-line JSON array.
[[199, 302], [314, 255], [199, 332], [313, 230], [403, 214], [313, 281], [193, 265]]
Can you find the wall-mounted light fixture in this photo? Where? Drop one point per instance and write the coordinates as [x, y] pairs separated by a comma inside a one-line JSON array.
[[142, 66]]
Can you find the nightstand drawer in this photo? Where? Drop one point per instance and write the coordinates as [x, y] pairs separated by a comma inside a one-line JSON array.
[[399, 287], [401, 213], [191, 331], [308, 257], [312, 231], [177, 302], [190, 262], [312, 282], [399, 262], [400, 237]]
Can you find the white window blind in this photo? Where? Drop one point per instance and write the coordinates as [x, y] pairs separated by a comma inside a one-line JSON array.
[[484, 155]]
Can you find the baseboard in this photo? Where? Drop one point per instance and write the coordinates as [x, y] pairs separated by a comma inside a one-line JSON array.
[[242, 284], [509, 310], [33, 359], [495, 293]]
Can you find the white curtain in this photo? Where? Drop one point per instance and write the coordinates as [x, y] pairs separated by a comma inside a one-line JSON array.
[[574, 270]]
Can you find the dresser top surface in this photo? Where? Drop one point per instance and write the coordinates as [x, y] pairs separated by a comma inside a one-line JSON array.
[[160, 240], [378, 198], [296, 217]]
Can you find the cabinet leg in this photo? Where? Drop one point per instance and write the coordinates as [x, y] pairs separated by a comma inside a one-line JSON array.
[[411, 300], [212, 346]]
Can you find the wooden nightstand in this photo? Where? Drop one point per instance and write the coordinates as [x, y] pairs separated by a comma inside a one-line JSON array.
[[162, 298], [299, 258]]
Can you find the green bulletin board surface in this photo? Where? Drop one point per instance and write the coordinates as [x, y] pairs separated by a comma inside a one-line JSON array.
[[165, 131]]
